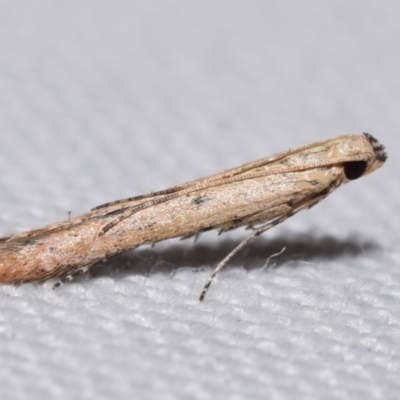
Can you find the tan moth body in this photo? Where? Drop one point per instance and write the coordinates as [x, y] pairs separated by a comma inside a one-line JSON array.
[[263, 193]]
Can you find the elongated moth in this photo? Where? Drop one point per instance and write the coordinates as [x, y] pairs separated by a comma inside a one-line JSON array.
[[259, 195]]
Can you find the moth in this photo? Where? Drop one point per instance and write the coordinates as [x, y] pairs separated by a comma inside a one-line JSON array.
[[259, 195]]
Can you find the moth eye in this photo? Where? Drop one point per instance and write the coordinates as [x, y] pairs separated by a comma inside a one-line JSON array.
[[354, 169]]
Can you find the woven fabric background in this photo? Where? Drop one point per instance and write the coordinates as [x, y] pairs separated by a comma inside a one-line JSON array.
[[104, 100]]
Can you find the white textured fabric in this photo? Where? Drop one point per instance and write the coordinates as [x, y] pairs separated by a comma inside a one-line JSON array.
[[103, 100]]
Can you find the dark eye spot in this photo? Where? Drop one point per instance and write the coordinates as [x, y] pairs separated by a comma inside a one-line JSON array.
[[354, 169]]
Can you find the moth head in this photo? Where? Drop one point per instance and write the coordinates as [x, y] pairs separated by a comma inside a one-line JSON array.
[[371, 157]]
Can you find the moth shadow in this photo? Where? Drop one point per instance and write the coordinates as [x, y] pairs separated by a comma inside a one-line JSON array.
[[169, 257]]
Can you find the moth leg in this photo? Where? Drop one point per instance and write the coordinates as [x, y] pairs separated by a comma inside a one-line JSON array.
[[69, 277], [255, 233], [306, 202], [194, 235]]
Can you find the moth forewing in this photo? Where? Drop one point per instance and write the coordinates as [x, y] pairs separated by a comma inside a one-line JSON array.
[[266, 192], [228, 173]]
